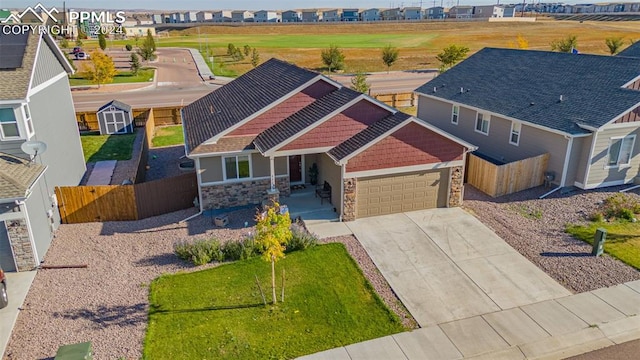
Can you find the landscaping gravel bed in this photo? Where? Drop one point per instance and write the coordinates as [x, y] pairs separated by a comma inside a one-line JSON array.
[[107, 302], [163, 162], [535, 228], [379, 283]]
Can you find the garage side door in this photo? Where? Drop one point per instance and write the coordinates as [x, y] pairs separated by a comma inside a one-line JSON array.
[[6, 256], [390, 194]]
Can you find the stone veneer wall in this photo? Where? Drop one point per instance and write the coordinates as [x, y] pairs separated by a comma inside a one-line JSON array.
[[455, 187], [241, 193], [21, 244], [349, 201]]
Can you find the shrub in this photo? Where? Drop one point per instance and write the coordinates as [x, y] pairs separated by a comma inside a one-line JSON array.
[[621, 206], [301, 239], [240, 250], [128, 47], [596, 217], [198, 252]]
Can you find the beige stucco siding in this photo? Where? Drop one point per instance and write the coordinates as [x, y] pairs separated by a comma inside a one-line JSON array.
[[261, 167], [598, 173], [309, 160], [533, 141], [211, 169], [330, 172], [582, 161]]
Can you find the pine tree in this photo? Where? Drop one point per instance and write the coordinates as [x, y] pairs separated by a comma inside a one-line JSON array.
[[134, 62]]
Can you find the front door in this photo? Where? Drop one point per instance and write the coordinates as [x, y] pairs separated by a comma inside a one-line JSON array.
[[295, 169]]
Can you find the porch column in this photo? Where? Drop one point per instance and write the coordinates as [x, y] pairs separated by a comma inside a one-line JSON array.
[[272, 168]]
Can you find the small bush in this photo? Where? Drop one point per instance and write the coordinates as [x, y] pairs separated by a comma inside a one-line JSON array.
[[621, 206], [596, 217], [240, 250], [128, 47], [301, 239], [198, 252]]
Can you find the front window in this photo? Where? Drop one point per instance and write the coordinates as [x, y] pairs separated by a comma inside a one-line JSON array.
[[455, 112], [237, 167], [516, 127], [482, 123], [8, 124], [620, 151]]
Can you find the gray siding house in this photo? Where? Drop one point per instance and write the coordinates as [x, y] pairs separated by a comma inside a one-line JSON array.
[[264, 16], [412, 13], [35, 106], [290, 16], [434, 13], [587, 121], [370, 15]]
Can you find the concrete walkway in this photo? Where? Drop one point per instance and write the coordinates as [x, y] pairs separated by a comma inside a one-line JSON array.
[[475, 297], [102, 172], [18, 285]]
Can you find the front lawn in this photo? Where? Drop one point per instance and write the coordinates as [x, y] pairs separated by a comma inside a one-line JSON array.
[[107, 147], [218, 313], [622, 242], [144, 75], [168, 135]]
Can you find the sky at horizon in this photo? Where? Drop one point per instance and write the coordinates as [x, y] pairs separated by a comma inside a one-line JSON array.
[[242, 4]]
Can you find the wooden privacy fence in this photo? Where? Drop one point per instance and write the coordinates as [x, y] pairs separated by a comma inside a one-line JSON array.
[[88, 120], [497, 180], [397, 100], [80, 204]]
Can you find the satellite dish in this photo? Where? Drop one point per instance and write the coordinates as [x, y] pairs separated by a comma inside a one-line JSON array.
[[33, 148]]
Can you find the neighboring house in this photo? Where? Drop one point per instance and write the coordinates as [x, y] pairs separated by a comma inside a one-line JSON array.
[[204, 16], [139, 31], [461, 12], [157, 19], [434, 13], [190, 16], [331, 15], [370, 15], [177, 17], [255, 137], [509, 11], [115, 117], [222, 16], [391, 14], [241, 16], [35, 105], [311, 15], [350, 15], [487, 11], [291, 16], [264, 16], [412, 13], [632, 51], [166, 18], [515, 104]]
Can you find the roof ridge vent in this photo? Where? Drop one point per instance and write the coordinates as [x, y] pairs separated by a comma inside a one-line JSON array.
[[562, 98], [435, 89], [461, 90]]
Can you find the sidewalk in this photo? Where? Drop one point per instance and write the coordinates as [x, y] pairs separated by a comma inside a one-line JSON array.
[[18, 285]]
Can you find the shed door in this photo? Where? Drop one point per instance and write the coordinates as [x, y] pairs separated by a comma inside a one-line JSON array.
[[115, 122], [389, 194], [6, 255]]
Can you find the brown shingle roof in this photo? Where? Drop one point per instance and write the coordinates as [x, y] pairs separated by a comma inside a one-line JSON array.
[[226, 144], [17, 176]]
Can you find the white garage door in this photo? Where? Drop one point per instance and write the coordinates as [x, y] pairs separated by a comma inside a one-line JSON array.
[[390, 194]]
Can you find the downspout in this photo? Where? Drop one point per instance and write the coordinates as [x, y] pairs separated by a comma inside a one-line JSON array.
[[563, 180]]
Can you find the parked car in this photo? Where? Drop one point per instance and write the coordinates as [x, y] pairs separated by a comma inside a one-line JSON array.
[[4, 299], [82, 56], [76, 50]]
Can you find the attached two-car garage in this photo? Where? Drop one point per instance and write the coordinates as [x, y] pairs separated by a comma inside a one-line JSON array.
[[388, 194]]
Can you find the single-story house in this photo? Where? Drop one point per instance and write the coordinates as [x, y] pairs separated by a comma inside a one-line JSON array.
[[115, 117], [254, 138], [583, 110]]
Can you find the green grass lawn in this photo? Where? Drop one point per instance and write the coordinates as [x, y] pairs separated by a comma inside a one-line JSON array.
[[144, 75], [107, 147], [218, 313], [623, 239], [168, 135]]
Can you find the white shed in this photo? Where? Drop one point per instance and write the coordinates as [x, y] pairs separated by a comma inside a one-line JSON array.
[[115, 117]]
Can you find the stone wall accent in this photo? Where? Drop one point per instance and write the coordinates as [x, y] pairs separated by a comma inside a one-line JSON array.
[[349, 201], [251, 192], [21, 244], [455, 190]]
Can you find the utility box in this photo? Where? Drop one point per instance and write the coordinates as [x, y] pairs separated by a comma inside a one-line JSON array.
[[598, 242], [81, 351]]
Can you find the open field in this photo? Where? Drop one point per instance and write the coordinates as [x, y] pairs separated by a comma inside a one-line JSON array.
[[418, 42]]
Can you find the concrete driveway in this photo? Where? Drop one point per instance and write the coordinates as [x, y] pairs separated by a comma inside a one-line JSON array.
[[445, 265]]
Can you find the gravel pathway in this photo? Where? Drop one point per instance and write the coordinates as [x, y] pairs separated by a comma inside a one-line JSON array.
[[379, 283], [107, 302], [163, 162], [535, 228]]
